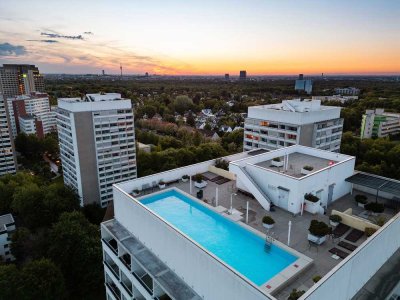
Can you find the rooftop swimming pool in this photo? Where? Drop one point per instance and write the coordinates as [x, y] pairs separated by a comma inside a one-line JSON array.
[[236, 246]]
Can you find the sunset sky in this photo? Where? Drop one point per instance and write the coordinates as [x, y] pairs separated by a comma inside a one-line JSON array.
[[203, 37]]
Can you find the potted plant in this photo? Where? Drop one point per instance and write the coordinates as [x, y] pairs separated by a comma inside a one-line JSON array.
[[135, 192], [312, 203], [318, 231], [161, 184], [268, 222], [199, 181], [185, 178], [305, 170], [334, 220], [295, 294], [361, 200], [375, 208], [277, 162], [369, 231], [316, 278]]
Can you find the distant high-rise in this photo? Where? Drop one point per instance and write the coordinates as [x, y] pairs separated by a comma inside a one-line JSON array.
[[97, 144], [20, 79], [302, 84], [226, 76], [31, 114], [243, 75], [103, 72], [146, 74], [7, 153]]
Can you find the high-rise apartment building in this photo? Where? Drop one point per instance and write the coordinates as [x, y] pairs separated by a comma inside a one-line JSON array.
[[97, 144], [378, 123], [7, 227], [303, 122], [34, 108], [20, 80], [302, 84], [243, 75], [347, 91], [7, 153]]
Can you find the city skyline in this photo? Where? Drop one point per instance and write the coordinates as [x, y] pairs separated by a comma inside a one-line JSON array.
[[262, 37]]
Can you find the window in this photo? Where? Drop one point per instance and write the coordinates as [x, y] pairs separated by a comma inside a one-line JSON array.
[[264, 123]]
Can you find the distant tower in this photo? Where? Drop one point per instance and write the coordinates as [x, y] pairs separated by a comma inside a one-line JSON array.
[[120, 67], [146, 74], [243, 75], [104, 73], [226, 76]]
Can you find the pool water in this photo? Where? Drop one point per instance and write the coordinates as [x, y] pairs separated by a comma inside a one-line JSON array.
[[236, 246]]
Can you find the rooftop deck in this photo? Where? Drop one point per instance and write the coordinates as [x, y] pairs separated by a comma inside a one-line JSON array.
[[323, 261], [296, 162]]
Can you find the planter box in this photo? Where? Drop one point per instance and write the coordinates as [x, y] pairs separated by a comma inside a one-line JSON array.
[[135, 194], [316, 239], [360, 204], [200, 185], [268, 226], [185, 179], [277, 163], [312, 207], [161, 186], [305, 172], [334, 224]]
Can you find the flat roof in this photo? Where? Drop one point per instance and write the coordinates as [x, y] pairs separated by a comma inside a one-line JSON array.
[[376, 182], [6, 220]]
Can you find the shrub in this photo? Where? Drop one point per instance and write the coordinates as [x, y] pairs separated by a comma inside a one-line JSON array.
[[295, 294], [318, 228], [361, 199], [311, 197], [369, 231], [268, 220], [185, 177], [198, 178], [381, 220], [335, 218], [136, 191], [161, 182], [316, 278], [277, 159], [222, 164], [375, 207], [308, 168]]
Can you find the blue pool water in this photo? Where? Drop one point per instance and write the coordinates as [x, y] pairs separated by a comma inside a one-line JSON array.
[[230, 242]]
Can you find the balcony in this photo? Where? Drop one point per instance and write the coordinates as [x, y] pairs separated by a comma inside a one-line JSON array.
[[112, 244], [114, 290], [113, 268], [126, 260], [145, 280]]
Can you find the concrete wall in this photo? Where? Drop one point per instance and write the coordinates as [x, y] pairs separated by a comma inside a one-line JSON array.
[[354, 221], [350, 275], [222, 172], [206, 274]]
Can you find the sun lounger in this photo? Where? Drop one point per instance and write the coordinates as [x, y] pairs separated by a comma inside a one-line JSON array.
[[340, 230], [354, 235], [347, 246], [338, 252]]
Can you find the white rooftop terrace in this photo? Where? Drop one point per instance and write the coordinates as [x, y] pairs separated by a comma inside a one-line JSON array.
[[296, 111]]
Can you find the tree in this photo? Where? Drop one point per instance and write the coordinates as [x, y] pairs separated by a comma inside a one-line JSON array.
[[182, 104], [190, 120], [10, 282], [94, 213], [74, 246], [42, 279]]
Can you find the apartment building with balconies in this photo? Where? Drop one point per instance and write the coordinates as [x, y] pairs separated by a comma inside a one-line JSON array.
[[303, 122]]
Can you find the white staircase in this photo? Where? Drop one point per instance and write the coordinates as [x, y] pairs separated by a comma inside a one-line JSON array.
[[252, 186]]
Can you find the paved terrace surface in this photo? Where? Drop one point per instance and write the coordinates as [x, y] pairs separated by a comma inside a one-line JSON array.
[[323, 261], [296, 162]]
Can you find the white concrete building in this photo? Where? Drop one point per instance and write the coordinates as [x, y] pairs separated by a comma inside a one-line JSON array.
[[340, 98], [27, 124], [7, 226], [378, 123], [97, 144], [303, 122], [8, 161], [36, 105], [347, 91], [281, 177]]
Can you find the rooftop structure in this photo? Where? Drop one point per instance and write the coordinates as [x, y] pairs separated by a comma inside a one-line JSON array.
[[378, 123], [97, 144], [305, 122], [160, 228]]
